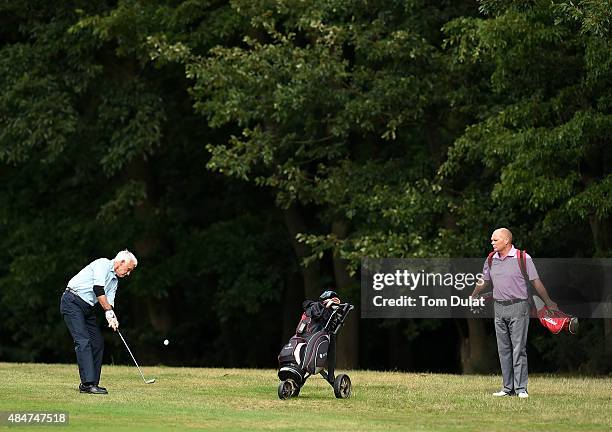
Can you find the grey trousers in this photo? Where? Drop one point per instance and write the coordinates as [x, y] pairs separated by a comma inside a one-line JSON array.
[[511, 326]]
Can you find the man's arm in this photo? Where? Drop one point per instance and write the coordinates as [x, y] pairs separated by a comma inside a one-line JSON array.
[[481, 285], [541, 290], [108, 309], [104, 303], [101, 295]]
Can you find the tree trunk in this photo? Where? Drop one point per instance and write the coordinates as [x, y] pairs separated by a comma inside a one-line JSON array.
[[159, 310], [608, 338], [311, 274], [292, 305], [348, 339], [602, 234], [477, 347]]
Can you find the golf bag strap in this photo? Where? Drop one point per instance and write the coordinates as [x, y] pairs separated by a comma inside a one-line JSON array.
[[522, 262], [490, 260]]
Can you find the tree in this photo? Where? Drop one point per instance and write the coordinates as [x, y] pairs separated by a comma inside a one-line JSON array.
[[321, 95], [99, 151], [543, 121]]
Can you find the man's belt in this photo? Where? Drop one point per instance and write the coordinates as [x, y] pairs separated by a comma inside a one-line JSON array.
[[71, 291], [509, 302]]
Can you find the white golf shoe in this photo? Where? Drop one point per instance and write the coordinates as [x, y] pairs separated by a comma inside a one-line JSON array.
[[523, 395], [501, 393]]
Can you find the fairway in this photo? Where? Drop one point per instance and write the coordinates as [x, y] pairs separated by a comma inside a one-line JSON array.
[[243, 399]]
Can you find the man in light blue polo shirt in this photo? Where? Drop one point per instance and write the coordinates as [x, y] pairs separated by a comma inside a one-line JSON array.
[[512, 309], [96, 283]]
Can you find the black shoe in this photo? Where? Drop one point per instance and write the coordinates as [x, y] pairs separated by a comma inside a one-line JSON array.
[[92, 389], [84, 386]]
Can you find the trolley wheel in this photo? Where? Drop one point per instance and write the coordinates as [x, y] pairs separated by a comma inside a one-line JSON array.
[[286, 389], [342, 386], [296, 391]]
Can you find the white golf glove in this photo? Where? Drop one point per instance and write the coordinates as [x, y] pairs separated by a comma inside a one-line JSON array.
[[329, 302], [112, 319]]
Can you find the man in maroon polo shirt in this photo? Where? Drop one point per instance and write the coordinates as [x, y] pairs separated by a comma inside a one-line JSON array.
[[512, 309]]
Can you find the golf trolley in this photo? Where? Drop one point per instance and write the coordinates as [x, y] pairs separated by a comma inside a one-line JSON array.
[[313, 351]]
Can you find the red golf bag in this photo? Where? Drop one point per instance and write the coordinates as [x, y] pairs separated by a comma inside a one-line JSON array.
[[554, 320]]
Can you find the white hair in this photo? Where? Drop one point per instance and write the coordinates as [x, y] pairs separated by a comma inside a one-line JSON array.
[[126, 255]]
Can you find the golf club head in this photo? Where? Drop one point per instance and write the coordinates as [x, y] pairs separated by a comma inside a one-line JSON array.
[[150, 381]]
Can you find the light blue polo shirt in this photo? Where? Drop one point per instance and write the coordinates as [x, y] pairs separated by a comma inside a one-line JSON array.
[[98, 272], [506, 275]]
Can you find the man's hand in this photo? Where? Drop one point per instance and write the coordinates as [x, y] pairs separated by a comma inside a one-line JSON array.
[[480, 307], [541, 290], [552, 307], [329, 302], [112, 319], [477, 308]]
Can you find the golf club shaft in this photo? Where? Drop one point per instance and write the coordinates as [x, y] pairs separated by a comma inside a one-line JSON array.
[[135, 362]]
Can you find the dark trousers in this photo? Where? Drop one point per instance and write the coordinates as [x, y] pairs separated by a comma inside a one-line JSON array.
[[81, 321]]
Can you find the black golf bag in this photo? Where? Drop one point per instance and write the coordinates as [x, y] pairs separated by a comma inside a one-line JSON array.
[[313, 350]]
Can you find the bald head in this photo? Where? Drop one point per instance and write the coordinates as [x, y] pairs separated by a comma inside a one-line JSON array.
[[504, 233], [501, 240]]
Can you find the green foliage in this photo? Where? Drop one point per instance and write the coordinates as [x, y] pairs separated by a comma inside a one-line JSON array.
[[350, 108], [242, 258], [324, 97], [418, 126], [542, 135], [35, 111], [101, 151], [535, 158], [127, 197], [593, 16]]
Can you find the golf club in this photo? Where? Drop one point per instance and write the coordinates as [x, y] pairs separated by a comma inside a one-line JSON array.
[[151, 381]]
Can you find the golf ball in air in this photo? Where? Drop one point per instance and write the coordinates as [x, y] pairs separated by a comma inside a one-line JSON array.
[[166, 342]]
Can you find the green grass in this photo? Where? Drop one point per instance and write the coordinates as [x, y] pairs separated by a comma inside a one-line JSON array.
[[242, 399]]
